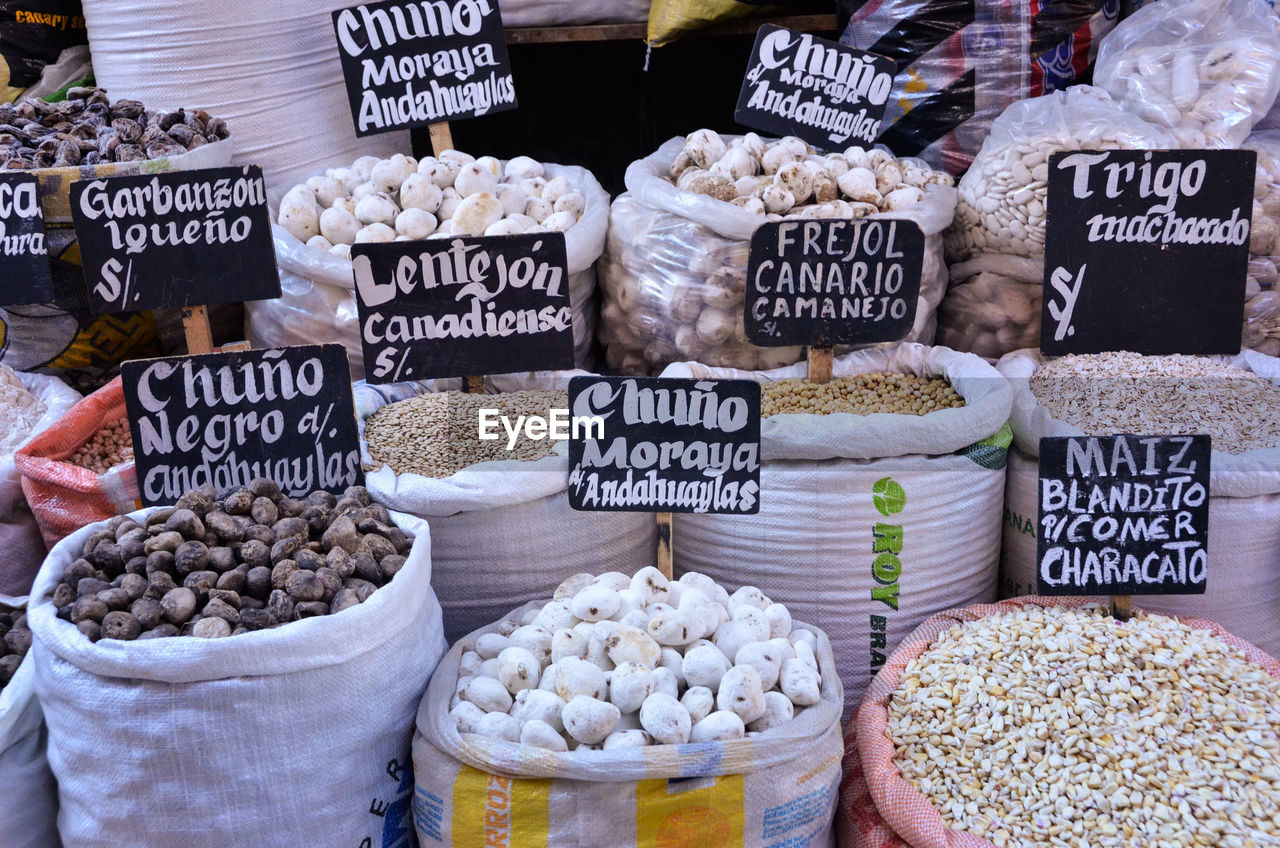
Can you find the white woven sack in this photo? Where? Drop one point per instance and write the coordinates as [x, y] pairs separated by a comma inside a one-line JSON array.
[[298, 735], [814, 544], [270, 70], [503, 532], [538, 13], [1243, 587], [29, 800], [317, 289], [19, 534], [777, 788]]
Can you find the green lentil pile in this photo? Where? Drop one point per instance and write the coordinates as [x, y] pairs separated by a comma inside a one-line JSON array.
[[862, 394]]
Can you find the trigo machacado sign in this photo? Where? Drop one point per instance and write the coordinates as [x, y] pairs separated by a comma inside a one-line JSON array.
[[25, 277], [463, 306], [664, 445], [1123, 515], [832, 282], [411, 64], [223, 419], [830, 95], [179, 238]]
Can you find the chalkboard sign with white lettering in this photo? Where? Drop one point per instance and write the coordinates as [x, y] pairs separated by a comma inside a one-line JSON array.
[[664, 445], [832, 282], [830, 95], [25, 277], [225, 418], [180, 238], [1146, 251], [457, 307], [1123, 515], [411, 64]]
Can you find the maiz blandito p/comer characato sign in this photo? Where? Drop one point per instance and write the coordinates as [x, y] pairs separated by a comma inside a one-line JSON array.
[[651, 444], [830, 95], [1123, 515], [832, 282], [411, 64], [25, 277], [462, 306], [1146, 251], [179, 238], [225, 418]]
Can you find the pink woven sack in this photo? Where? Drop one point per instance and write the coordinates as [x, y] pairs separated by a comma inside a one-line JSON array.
[[878, 808]]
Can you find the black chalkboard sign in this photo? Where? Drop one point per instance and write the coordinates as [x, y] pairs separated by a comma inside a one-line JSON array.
[[226, 418], [1123, 515], [25, 277], [410, 64], [455, 307], [180, 238], [1146, 251], [664, 445], [830, 282], [830, 95]]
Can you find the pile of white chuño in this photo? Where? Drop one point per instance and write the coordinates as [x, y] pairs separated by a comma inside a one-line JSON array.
[[407, 199], [616, 661]]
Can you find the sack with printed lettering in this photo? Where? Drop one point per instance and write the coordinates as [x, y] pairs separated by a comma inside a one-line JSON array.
[[1243, 585], [868, 524], [774, 788]]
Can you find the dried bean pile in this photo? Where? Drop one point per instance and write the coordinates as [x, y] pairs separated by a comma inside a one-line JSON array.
[[1123, 392], [19, 410], [1055, 727], [87, 128], [109, 447], [863, 394], [250, 560], [15, 641], [437, 435]]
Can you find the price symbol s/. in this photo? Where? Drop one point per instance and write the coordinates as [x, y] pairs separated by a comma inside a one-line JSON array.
[[1062, 282]]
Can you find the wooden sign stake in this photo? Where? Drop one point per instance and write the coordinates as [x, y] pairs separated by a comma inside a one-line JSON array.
[[195, 324], [1121, 607], [821, 360], [665, 562]]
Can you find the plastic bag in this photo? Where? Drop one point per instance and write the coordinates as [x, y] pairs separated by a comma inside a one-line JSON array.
[[296, 735], [20, 539], [961, 64], [1262, 323], [317, 300], [674, 273], [33, 33], [1001, 206], [1205, 69], [878, 808], [993, 305], [65, 497], [503, 533], [772, 789]]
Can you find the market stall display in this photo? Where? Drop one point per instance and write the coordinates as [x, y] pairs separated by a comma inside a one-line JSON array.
[[622, 702], [1091, 729], [870, 521], [1236, 400], [674, 271]]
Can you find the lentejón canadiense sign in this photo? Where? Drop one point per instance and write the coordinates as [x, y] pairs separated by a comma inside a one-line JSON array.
[[1123, 515], [664, 445], [832, 282], [462, 306], [1146, 251], [226, 418], [178, 238], [410, 64]]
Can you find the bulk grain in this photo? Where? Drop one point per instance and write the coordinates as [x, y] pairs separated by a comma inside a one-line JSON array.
[[875, 517], [29, 802], [502, 530], [631, 710], [1236, 400], [1038, 725], [324, 673]]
